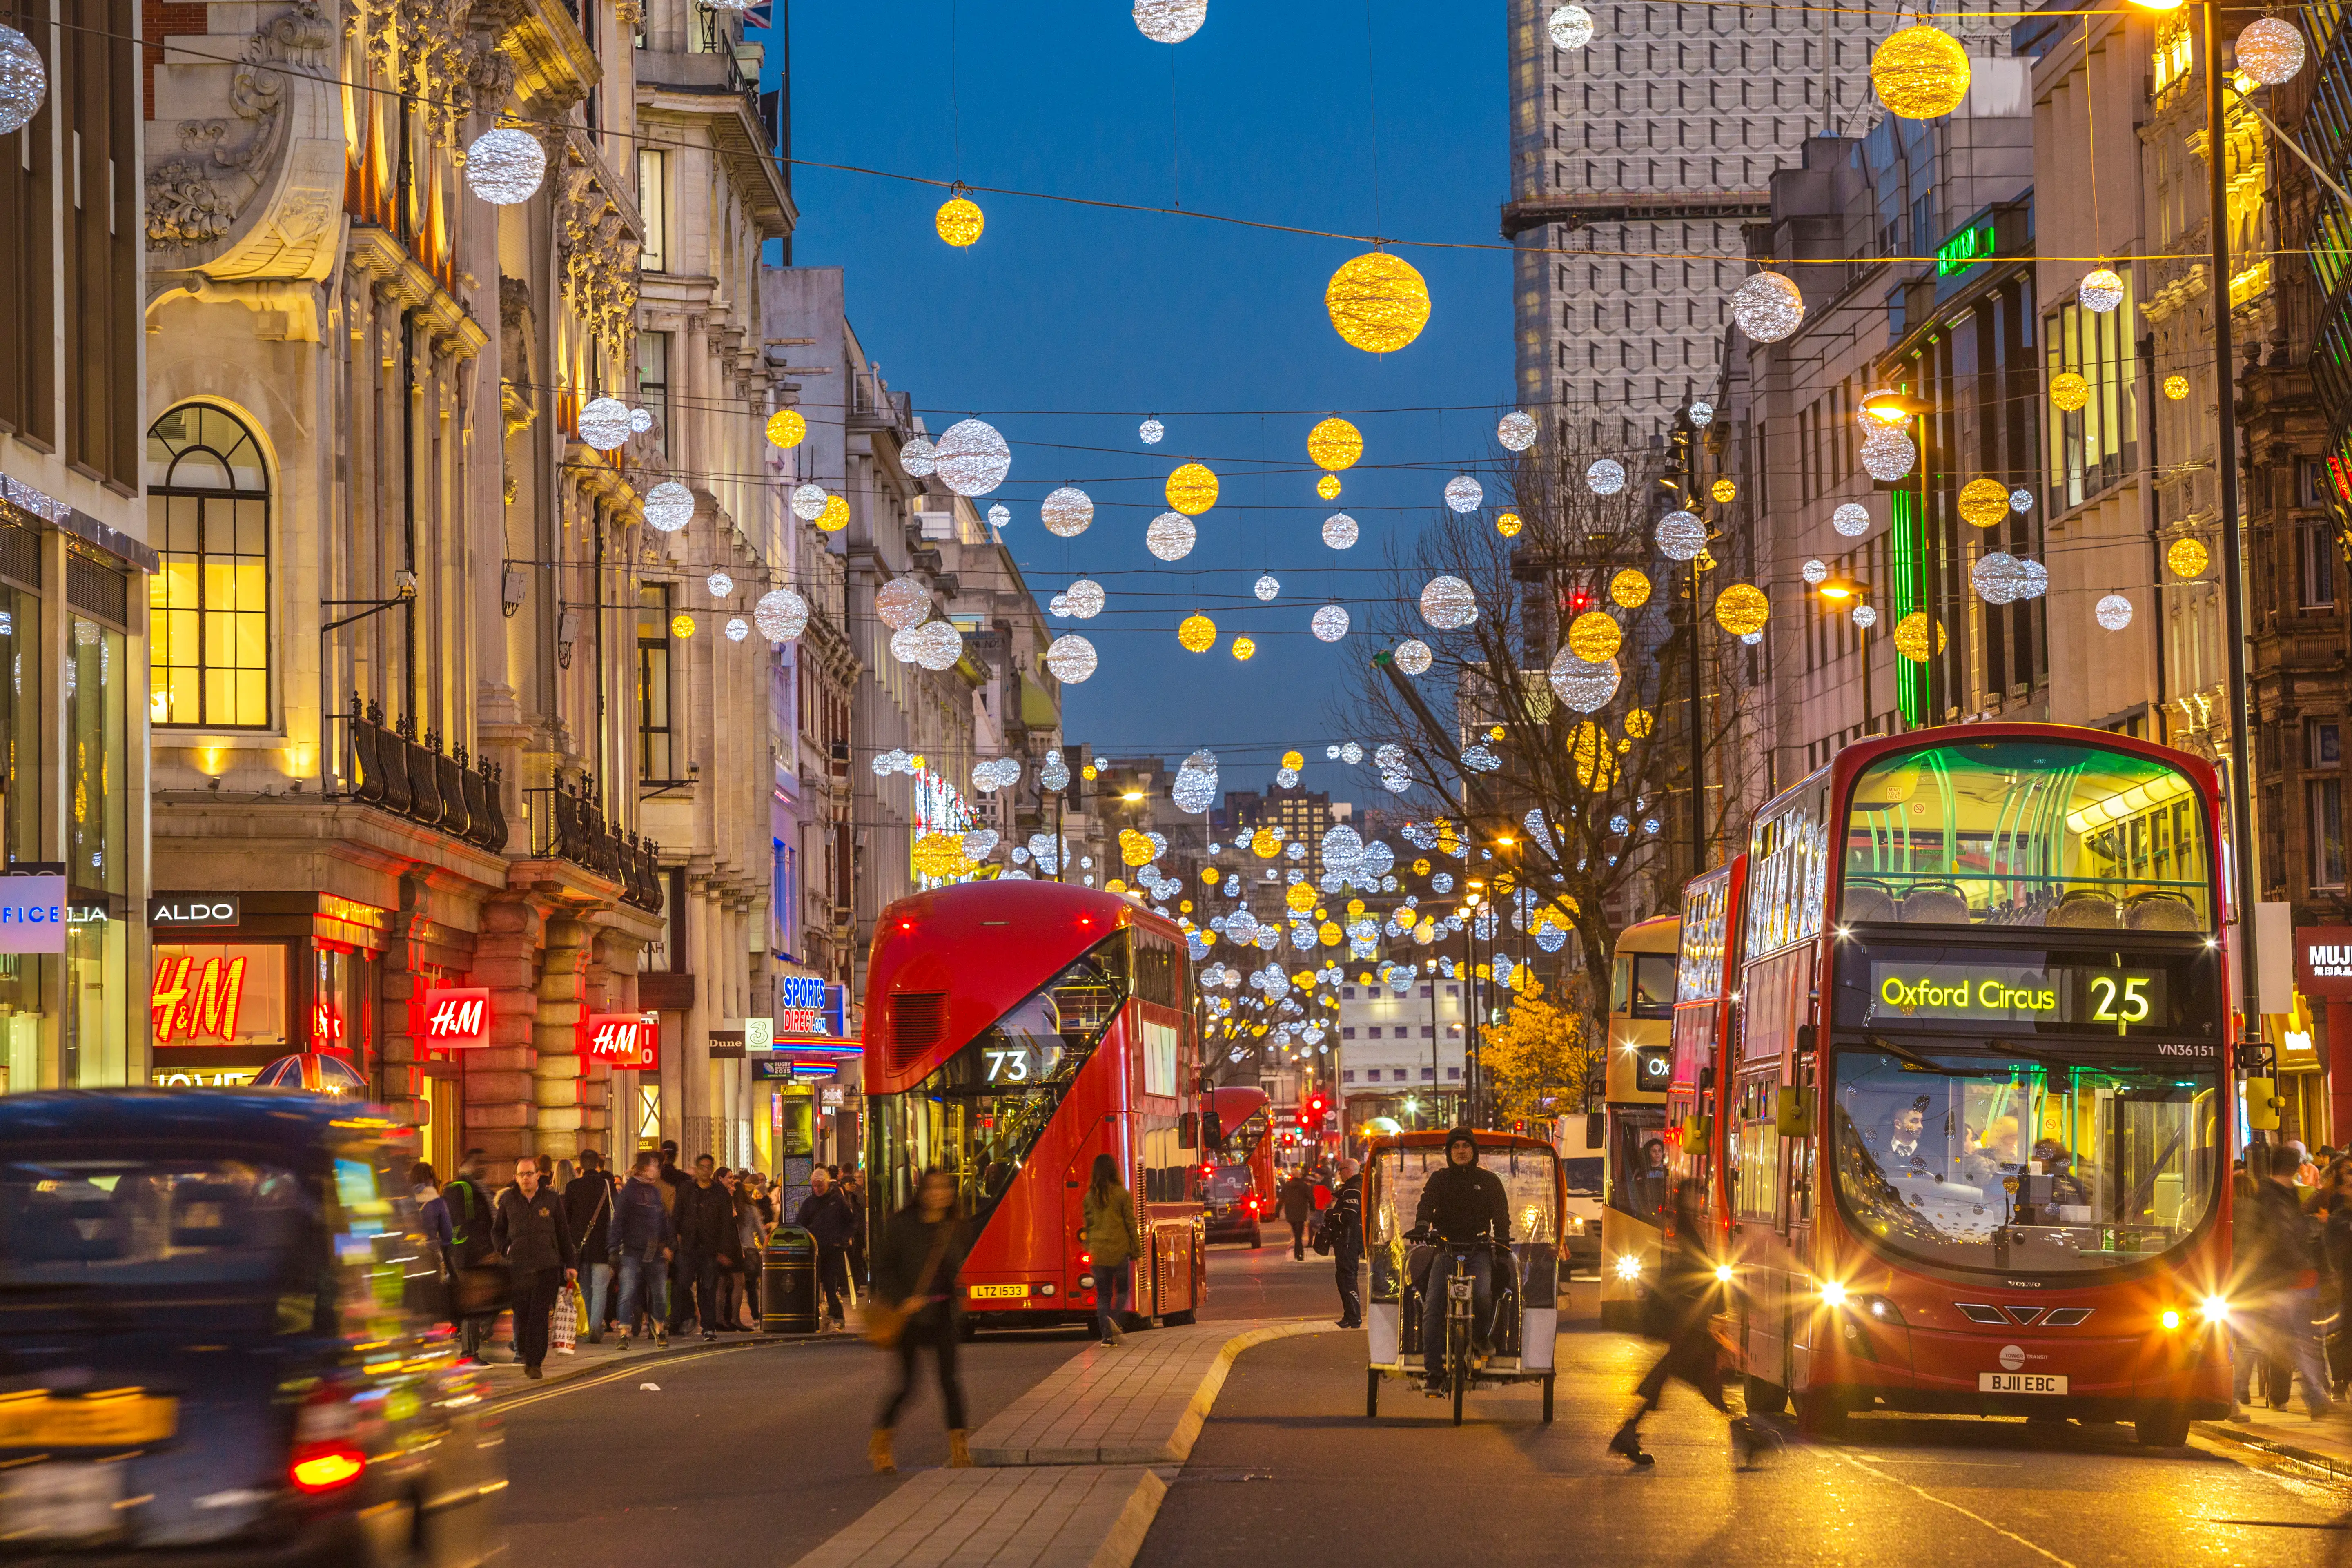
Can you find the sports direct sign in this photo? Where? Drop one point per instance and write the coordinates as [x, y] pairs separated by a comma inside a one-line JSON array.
[[454, 1018], [625, 1041], [800, 1004]]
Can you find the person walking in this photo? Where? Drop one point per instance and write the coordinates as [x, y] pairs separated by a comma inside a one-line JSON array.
[[588, 1209], [706, 1228], [751, 1236], [1114, 1241], [1343, 1222], [853, 1192], [2284, 1284], [1687, 1306], [2335, 1245], [471, 1247], [1297, 1200], [533, 1234], [642, 1240], [826, 1215], [917, 1267], [432, 1213]]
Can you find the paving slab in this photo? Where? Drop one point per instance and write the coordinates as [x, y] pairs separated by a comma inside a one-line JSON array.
[[1057, 1516]]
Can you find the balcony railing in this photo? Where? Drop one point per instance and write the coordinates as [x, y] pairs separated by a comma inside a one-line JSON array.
[[417, 779], [568, 823]]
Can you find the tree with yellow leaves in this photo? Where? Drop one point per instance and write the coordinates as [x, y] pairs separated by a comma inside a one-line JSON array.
[[1538, 1060]]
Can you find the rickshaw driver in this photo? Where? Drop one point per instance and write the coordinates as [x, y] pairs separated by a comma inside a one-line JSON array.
[[1461, 1203]]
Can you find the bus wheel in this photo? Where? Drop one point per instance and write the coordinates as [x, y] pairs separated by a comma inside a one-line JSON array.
[[1821, 1413], [1763, 1398], [1371, 1396], [2161, 1426]]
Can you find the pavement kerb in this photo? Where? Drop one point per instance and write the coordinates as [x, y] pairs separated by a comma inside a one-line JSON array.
[[2334, 1465], [1125, 1541]]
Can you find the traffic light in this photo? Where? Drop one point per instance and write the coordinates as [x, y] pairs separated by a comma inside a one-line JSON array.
[[1580, 600], [2262, 1104]]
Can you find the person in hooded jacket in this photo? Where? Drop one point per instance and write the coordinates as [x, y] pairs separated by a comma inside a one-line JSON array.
[[1463, 1204], [642, 1242], [1344, 1224], [1296, 1199]]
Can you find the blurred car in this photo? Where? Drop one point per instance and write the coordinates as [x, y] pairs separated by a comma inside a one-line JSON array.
[[1233, 1204], [221, 1339], [1583, 1150]]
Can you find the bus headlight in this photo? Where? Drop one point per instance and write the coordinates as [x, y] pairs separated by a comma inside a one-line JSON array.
[[1832, 1293], [2216, 1310], [2171, 1319], [1628, 1266], [1723, 1272]]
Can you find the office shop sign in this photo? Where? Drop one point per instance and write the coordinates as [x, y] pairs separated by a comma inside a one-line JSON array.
[[33, 914]]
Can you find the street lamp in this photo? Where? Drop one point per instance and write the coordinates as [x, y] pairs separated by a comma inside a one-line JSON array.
[[2225, 453], [1844, 592]]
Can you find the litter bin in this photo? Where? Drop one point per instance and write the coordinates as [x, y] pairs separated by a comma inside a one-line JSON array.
[[788, 1298]]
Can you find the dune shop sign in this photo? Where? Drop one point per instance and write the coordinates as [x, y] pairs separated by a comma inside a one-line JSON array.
[[453, 1017], [32, 914]]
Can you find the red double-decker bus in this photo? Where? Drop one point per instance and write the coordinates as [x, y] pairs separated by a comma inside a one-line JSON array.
[[1016, 1030], [1706, 980], [1241, 1171], [1975, 1131]]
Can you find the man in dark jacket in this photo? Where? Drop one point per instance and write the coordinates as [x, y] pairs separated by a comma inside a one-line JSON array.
[[2282, 1288], [532, 1233], [1297, 1200], [1344, 1224], [588, 1206], [642, 1240], [1462, 1205], [705, 1217], [467, 1199], [826, 1215]]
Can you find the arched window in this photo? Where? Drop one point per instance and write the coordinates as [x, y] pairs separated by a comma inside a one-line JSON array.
[[208, 608]]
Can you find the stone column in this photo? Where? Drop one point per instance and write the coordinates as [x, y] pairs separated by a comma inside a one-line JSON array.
[[497, 1079], [559, 1086]]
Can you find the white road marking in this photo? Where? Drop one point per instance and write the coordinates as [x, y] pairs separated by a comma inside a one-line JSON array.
[[1867, 1468]]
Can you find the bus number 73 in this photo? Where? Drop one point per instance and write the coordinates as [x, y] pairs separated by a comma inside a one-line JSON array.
[[2122, 1003], [1007, 1067]]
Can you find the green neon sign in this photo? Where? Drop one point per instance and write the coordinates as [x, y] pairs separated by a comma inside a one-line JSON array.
[[1964, 249]]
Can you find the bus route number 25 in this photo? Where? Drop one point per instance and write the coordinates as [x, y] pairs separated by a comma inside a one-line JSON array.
[[2119, 999]]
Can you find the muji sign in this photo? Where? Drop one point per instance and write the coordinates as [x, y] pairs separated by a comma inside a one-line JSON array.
[[453, 1017]]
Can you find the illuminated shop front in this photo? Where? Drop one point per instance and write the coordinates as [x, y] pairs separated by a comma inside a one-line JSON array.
[[235, 981]]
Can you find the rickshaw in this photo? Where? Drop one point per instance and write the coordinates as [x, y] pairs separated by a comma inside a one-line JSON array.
[[1527, 1291]]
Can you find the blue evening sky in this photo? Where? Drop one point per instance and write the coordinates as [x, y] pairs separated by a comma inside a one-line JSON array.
[[1065, 325]]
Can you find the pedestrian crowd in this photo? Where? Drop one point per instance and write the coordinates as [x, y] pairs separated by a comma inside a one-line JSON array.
[[576, 1251], [2291, 1307]]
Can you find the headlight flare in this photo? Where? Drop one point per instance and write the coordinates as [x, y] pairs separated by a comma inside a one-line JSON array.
[[1832, 1293], [2171, 1319], [2215, 1309], [1722, 1271], [1629, 1266]]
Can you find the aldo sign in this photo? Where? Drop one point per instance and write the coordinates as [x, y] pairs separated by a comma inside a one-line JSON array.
[[32, 914]]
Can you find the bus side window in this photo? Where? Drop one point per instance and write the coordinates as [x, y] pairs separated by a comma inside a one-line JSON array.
[[1621, 985]]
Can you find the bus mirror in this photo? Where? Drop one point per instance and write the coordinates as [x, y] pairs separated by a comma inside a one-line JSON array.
[[1790, 1112], [2262, 1104], [1188, 1131], [1213, 1130], [1705, 1078], [1804, 1039]]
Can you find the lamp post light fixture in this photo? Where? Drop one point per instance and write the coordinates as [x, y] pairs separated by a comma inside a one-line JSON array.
[[1848, 591], [2225, 452]]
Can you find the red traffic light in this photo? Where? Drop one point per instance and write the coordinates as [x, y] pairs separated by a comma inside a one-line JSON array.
[[1579, 601]]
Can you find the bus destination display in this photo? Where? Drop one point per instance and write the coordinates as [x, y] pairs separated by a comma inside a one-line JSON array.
[[2074, 995]]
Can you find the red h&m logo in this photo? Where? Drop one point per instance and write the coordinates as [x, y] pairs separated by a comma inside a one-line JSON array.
[[625, 1041], [454, 1018]]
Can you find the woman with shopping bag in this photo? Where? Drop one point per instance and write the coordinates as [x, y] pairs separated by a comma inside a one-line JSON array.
[[914, 1304]]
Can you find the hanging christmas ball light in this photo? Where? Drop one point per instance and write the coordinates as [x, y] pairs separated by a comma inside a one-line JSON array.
[[902, 602], [2101, 289], [1852, 519], [1702, 413], [2021, 501], [603, 423], [958, 220], [2176, 387], [938, 645], [1815, 570], [1570, 26], [1067, 511], [787, 428], [1328, 487], [781, 615], [1192, 489], [1743, 610], [1983, 502], [1084, 599], [1997, 577], [719, 584], [1508, 525], [2186, 557], [1767, 307], [1605, 477], [681, 626], [503, 167], [2270, 50], [1889, 454], [24, 81], [1412, 656], [640, 421], [1335, 444], [807, 502], [1920, 73], [1331, 624], [1169, 21], [1911, 637], [1584, 685], [738, 628], [1463, 493], [669, 506], [1170, 536], [1516, 431], [2112, 612], [1724, 491], [2069, 391], [998, 515], [920, 458], [1151, 432], [1629, 589], [1340, 531], [1197, 634], [1595, 636], [1866, 615], [2037, 579], [1681, 536], [1267, 587], [1377, 302], [1243, 647], [1070, 657], [1448, 603], [972, 457], [836, 515]]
